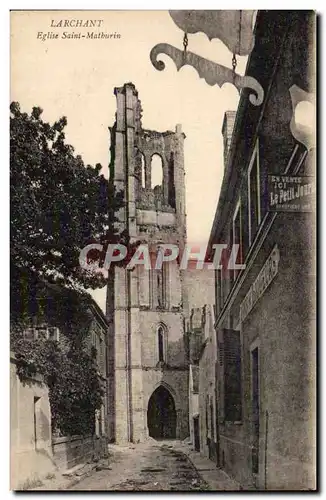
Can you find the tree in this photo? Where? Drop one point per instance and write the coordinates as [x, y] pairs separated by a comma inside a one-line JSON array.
[[75, 391], [58, 205]]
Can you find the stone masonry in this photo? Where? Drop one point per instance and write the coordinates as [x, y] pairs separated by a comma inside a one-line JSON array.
[[143, 304]]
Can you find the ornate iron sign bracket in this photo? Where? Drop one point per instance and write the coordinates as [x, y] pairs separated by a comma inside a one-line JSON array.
[[212, 72]]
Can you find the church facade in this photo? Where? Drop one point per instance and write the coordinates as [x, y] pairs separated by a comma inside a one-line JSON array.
[[148, 360]]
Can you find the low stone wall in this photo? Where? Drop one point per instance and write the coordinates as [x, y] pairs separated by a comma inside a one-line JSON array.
[[74, 450]]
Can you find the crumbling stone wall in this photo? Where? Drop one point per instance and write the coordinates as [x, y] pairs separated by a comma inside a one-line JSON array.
[[152, 215]]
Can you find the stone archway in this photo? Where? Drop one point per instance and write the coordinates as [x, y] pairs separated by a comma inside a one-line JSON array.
[[161, 415]]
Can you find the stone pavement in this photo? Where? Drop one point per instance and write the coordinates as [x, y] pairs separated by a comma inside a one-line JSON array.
[[151, 466]]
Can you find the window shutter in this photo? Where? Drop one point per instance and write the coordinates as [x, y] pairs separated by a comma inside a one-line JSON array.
[[221, 353], [232, 375]]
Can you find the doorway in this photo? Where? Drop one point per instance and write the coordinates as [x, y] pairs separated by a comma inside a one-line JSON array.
[[196, 433], [161, 415], [37, 411]]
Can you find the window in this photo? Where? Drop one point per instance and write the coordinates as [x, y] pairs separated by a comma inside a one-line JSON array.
[[102, 423], [171, 187], [29, 334], [97, 347], [296, 163], [206, 415], [53, 333], [156, 171], [254, 214], [142, 172], [160, 344], [42, 332], [232, 376], [237, 235], [102, 357], [161, 286], [220, 377], [217, 291], [230, 272], [255, 381], [97, 422], [212, 420], [220, 288]]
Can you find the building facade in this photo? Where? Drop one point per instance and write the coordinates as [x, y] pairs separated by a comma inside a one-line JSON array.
[[200, 287], [30, 430], [208, 396], [37, 447], [266, 311], [148, 367]]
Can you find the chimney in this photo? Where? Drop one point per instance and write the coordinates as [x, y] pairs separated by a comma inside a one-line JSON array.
[[227, 129]]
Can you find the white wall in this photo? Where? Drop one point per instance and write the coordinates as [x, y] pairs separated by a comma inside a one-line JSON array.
[[30, 458]]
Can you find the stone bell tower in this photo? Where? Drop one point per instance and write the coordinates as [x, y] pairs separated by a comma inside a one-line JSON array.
[[148, 365]]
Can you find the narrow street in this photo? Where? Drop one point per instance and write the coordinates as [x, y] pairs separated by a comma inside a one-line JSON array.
[[151, 466]]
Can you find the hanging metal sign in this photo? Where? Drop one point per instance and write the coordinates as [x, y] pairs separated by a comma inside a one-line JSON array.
[[234, 28], [288, 193]]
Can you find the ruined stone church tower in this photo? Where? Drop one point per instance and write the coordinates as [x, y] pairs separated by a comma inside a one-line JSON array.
[[148, 368]]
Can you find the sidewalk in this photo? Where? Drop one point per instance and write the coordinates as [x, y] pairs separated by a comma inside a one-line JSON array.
[[217, 479]]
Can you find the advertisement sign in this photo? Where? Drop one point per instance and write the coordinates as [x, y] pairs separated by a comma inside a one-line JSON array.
[[291, 193], [264, 278]]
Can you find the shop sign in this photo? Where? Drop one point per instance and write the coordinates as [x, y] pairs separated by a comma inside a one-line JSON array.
[[289, 193], [263, 280]]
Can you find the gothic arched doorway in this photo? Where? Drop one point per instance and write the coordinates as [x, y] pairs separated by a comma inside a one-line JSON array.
[[161, 415]]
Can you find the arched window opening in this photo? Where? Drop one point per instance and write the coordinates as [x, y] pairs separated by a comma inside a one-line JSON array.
[[160, 334], [160, 288], [171, 187], [142, 172], [156, 171]]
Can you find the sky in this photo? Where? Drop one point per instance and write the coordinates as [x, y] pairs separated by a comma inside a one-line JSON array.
[[76, 78]]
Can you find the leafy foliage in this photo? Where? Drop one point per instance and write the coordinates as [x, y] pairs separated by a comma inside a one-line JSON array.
[[35, 300], [58, 205], [74, 387], [68, 368]]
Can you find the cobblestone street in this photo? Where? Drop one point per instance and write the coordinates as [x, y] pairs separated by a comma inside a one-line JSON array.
[[150, 466]]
